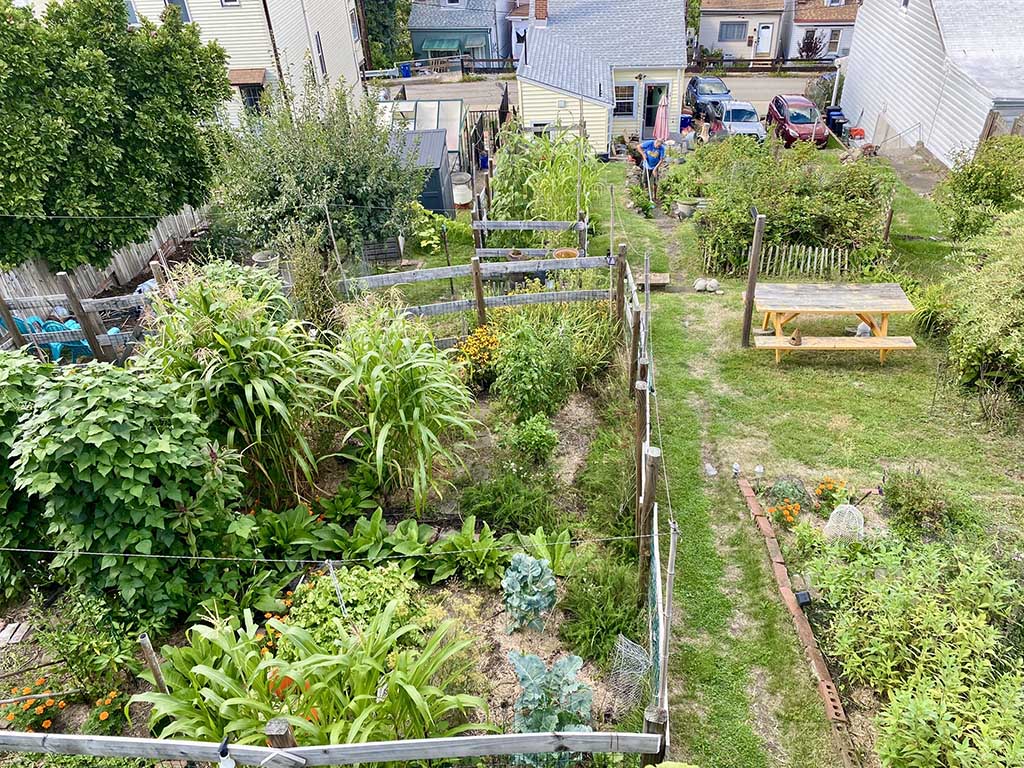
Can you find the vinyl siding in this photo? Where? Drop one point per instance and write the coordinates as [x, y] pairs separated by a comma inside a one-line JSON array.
[[676, 79], [710, 22], [900, 88], [541, 105], [823, 30], [342, 53], [240, 29]]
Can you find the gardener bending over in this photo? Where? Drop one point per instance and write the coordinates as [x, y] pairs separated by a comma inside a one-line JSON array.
[[653, 151]]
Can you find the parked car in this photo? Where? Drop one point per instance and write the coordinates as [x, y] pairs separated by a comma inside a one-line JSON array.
[[702, 91], [736, 118], [795, 118]]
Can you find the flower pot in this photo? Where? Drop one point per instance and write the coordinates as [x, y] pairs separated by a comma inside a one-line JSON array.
[[566, 253], [267, 260]]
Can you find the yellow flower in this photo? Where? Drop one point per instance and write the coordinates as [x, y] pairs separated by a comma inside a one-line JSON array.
[[104, 715]]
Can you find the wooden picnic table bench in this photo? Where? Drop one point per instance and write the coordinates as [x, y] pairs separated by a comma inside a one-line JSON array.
[[783, 303]]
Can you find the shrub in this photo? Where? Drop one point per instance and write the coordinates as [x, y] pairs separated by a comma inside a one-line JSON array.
[[933, 311], [477, 354], [365, 688], [785, 514], [125, 466], [917, 506], [33, 714], [641, 199], [510, 503], [830, 493], [601, 602], [529, 587], [983, 185], [250, 371], [22, 524], [551, 699], [986, 341], [477, 558], [97, 649], [400, 400], [532, 373], [107, 716], [556, 550]]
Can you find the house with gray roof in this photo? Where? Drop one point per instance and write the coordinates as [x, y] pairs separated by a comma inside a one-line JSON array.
[[478, 28], [944, 74], [602, 66]]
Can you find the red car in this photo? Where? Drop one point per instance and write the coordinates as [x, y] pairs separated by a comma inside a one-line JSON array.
[[795, 118]]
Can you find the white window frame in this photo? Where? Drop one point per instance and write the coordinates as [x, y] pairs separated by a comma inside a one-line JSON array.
[[186, 12], [353, 20], [835, 38], [723, 24], [230, 3], [320, 54], [617, 100]]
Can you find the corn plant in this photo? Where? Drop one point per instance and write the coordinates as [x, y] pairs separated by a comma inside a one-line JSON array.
[[400, 400], [226, 683]]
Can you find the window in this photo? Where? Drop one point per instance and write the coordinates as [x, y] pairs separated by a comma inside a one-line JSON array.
[[251, 95], [741, 114], [625, 100], [228, 3], [835, 2], [904, 4], [182, 6], [732, 31], [833, 40], [320, 55], [353, 20], [133, 16]]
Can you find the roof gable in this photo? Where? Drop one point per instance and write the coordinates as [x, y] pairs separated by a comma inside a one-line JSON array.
[[983, 39], [437, 14]]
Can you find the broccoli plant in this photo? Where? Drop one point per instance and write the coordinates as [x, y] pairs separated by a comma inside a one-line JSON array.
[[529, 588], [552, 700]]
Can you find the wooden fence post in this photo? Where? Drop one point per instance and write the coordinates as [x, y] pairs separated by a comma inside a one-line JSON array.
[[652, 461], [478, 291], [641, 369], [160, 276], [279, 734], [86, 319], [748, 297], [888, 223], [655, 721], [478, 234], [639, 437], [153, 662], [581, 233], [12, 327], [620, 286], [634, 346]]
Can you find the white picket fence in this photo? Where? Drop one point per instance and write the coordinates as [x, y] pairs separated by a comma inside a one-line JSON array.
[[34, 278]]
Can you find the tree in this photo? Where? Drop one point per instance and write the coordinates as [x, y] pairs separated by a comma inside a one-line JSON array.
[[812, 45], [100, 120], [287, 163], [387, 26], [693, 14]]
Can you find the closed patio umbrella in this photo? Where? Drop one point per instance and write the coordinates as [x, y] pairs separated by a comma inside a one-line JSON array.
[[661, 120]]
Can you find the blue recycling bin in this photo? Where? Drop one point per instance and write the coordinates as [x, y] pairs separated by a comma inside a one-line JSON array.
[[685, 121], [405, 69]]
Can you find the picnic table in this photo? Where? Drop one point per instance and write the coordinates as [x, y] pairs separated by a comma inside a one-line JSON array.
[[872, 303]]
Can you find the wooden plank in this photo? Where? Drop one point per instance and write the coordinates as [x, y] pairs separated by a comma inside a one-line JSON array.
[[477, 746], [464, 270], [105, 339], [526, 226], [832, 298], [837, 343], [504, 253], [8, 632], [19, 635], [513, 300]]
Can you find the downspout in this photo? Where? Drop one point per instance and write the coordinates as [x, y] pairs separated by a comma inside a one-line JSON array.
[[309, 41], [364, 35], [276, 53]]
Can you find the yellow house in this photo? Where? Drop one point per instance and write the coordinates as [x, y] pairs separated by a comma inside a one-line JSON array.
[[602, 66]]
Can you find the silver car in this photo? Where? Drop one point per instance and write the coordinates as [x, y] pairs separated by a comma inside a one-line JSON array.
[[737, 118]]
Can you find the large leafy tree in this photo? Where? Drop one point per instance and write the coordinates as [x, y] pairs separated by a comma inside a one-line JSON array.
[[99, 120]]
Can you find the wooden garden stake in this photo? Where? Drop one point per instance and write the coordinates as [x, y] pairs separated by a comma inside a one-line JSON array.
[[634, 346], [279, 734], [888, 224], [12, 327], [478, 291], [748, 297], [639, 437], [153, 662], [447, 256], [620, 285], [330, 231], [652, 460], [478, 235], [581, 233], [86, 319]]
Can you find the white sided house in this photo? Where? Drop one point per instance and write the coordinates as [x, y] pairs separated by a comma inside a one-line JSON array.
[[943, 73], [606, 62], [742, 29], [274, 41]]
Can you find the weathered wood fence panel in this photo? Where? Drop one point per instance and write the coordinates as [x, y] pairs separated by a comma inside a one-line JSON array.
[[493, 269], [783, 261]]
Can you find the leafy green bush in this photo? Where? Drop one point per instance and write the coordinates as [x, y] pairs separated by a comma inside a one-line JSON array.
[[97, 649], [251, 372], [532, 372], [529, 587], [107, 716], [510, 503], [600, 603], [983, 185], [477, 558], [124, 465], [641, 199], [400, 399], [532, 440], [986, 340], [918, 505], [551, 699], [555, 549], [365, 688], [933, 314], [22, 524]]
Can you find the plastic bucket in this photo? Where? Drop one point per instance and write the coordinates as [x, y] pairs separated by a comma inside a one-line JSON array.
[[685, 121], [267, 260], [462, 189], [405, 69]]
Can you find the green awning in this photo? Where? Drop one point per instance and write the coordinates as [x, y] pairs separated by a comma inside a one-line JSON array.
[[440, 44], [476, 41]]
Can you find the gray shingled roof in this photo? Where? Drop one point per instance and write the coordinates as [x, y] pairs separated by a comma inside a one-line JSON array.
[[437, 14], [584, 39], [983, 38]]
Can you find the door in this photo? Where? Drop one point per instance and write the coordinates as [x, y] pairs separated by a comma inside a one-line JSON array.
[[652, 99], [765, 33]]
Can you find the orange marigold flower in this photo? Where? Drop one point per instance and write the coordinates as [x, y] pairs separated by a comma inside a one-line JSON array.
[[41, 681], [47, 723], [49, 702], [14, 689], [26, 690], [31, 702], [40, 710], [99, 702], [61, 704], [108, 702], [10, 716], [104, 715]]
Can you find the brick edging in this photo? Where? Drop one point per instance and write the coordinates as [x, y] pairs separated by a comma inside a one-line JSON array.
[[826, 687]]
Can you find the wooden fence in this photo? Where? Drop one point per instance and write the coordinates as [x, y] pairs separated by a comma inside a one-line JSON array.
[[34, 278], [782, 261]]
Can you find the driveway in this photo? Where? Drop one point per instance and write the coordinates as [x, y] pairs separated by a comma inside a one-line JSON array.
[[760, 89], [482, 94]]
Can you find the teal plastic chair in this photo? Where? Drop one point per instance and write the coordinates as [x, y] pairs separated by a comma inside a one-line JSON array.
[[73, 349]]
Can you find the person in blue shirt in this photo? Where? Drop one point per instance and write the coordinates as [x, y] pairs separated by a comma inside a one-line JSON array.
[[653, 152]]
